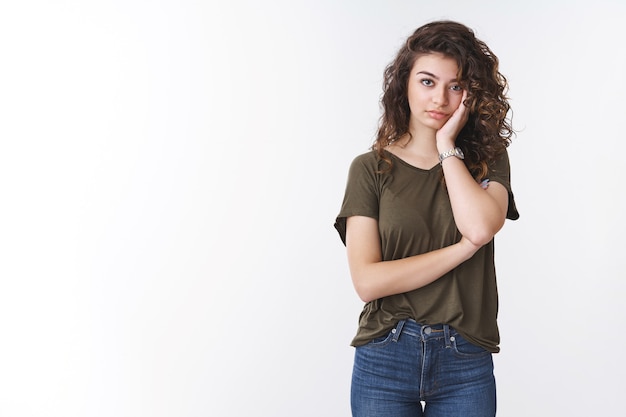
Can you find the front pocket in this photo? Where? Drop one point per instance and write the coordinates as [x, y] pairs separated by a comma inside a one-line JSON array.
[[463, 348], [381, 341]]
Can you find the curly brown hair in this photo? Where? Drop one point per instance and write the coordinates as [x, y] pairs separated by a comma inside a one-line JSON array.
[[488, 130]]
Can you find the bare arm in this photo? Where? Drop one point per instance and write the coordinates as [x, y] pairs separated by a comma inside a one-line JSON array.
[[479, 214], [374, 278]]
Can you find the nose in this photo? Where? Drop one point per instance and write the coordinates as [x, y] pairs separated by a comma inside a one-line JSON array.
[[440, 96]]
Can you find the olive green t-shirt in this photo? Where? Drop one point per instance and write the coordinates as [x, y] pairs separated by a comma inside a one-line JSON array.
[[414, 217]]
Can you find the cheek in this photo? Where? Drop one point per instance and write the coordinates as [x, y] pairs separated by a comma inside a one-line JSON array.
[[413, 103], [456, 101], [416, 99]]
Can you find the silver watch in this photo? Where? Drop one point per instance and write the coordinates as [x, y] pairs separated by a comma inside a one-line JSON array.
[[452, 152]]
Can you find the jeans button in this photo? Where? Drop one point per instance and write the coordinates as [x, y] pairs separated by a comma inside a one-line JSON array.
[[428, 330]]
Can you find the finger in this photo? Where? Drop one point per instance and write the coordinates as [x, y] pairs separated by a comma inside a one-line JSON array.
[[462, 111]]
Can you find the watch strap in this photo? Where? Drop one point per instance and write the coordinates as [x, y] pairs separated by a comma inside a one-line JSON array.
[[451, 152]]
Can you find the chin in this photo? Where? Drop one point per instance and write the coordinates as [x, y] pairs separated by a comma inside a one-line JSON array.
[[432, 124], [435, 124]]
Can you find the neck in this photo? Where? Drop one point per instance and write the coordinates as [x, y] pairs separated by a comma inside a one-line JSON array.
[[423, 141], [419, 150]]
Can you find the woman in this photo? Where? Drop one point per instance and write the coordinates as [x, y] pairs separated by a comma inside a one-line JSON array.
[[418, 220]]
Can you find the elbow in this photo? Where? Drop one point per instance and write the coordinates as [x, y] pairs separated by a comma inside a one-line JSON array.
[[480, 236], [366, 298], [482, 233], [364, 290], [479, 239]]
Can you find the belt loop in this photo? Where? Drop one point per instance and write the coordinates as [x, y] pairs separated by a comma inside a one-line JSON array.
[[396, 332], [446, 335]]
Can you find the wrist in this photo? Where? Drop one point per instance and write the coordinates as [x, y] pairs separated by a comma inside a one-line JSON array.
[[445, 144], [455, 151]]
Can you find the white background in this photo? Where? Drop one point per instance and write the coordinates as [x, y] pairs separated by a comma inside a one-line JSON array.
[[169, 176]]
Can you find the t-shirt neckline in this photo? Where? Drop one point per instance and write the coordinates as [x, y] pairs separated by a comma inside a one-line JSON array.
[[435, 168]]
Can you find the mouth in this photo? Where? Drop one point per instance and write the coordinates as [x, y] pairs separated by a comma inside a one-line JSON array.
[[437, 115]]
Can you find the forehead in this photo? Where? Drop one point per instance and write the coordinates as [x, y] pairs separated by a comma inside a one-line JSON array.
[[437, 64]]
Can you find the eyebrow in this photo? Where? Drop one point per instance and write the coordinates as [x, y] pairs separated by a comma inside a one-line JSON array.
[[430, 74]]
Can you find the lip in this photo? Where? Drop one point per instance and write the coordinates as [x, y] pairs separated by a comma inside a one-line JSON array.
[[437, 115]]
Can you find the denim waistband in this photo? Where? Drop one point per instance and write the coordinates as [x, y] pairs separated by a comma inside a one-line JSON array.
[[424, 331]]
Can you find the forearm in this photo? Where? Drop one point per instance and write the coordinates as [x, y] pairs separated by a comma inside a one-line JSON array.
[[478, 214], [373, 280]]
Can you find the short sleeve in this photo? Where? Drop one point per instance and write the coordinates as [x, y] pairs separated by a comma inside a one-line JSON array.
[[362, 192], [500, 172]]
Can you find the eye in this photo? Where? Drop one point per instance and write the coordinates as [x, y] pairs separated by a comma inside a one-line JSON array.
[[456, 87], [427, 82]]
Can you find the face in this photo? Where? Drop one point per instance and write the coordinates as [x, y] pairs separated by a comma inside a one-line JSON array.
[[434, 91]]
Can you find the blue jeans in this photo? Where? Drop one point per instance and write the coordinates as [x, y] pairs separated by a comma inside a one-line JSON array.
[[417, 363]]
